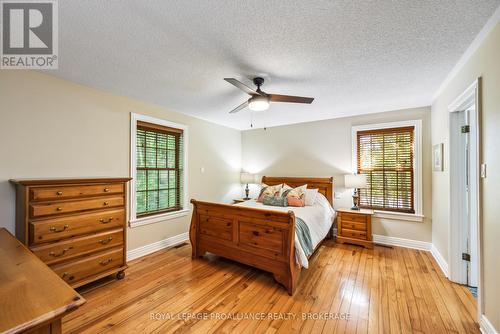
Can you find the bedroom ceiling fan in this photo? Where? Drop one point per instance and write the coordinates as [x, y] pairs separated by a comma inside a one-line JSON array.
[[259, 99]]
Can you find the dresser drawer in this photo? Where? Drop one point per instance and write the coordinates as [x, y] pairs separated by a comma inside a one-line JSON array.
[[353, 234], [352, 217], [75, 247], [66, 227], [353, 226], [65, 192], [53, 208], [79, 269]]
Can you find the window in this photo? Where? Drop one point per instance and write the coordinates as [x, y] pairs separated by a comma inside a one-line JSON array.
[[389, 155], [158, 185]]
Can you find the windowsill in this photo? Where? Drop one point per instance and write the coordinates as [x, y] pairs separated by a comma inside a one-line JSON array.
[[413, 217], [157, 218]]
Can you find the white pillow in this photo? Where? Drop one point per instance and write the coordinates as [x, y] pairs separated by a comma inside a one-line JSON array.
[[311, 195]]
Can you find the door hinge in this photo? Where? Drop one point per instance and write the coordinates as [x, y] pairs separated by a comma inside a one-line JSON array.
[[466, 257], [465, 129]]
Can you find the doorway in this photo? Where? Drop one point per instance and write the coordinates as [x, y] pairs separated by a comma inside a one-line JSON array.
[[464, 163], [465, 223]]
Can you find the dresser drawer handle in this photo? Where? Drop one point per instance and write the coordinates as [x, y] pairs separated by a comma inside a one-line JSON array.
[[61, 253], [59, 209], [54, 229], [105, 262], [66, 274], [106, 190], [105, 241], [59, 193], [102, 221], [105, 203]]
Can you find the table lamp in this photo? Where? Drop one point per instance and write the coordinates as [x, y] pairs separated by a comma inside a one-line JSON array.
[[355, 181], [247, 178]]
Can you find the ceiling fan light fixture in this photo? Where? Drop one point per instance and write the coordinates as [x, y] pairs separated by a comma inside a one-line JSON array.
[[258, 103], [259, 100]]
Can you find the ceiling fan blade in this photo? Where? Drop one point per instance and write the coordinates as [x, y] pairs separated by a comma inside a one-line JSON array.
[[290, 98], [238, 108], [242, 86]]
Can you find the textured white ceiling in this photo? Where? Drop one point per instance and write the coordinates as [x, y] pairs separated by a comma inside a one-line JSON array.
[[354, 57]]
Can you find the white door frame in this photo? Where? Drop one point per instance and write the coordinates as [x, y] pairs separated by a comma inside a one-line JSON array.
[[470, 97]]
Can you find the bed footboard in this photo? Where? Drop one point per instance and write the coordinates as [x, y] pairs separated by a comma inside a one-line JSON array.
[[260, 238]]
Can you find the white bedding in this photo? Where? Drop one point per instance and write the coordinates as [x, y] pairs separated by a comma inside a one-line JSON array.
[[318, 217]]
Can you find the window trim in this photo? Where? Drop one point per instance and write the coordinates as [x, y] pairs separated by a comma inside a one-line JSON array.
[[417, 165], [134, 221]]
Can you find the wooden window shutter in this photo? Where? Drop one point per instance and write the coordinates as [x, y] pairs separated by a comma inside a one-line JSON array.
[[386, 157]]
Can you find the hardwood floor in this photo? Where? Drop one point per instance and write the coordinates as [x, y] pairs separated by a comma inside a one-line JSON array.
[[348, 289]]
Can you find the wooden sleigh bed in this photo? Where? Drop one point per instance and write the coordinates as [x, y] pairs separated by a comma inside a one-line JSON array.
[[264, 239]]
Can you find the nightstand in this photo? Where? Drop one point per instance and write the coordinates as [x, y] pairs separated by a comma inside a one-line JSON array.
[[239, 200], [355, 227]]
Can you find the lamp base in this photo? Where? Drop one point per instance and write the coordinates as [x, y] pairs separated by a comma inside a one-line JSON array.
[[246, 198], [247, 191], [355, 200]]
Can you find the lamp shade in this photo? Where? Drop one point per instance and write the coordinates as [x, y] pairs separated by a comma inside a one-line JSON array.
[[258, 103], [247, 178], [355, 181]]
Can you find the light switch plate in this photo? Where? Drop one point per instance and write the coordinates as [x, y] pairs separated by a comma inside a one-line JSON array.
[[483, 171]]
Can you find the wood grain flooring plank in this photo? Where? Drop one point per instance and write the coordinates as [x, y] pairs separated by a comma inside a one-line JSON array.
[[342, 304], [384, 290], [462, 317]]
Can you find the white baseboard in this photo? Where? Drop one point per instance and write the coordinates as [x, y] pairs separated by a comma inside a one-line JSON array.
[[440, 260], [486, 327], [415, 244], [156, 246], [408, 243]]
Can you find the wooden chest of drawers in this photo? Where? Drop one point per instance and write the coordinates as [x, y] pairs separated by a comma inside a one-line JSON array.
[[355, 227], [76, 226]]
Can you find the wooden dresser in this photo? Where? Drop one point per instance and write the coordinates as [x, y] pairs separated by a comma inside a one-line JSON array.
[[32, 298], [355, 227], [76, 226]]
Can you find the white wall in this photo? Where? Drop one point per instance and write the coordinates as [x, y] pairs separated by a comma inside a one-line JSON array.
[[54, 128], [323, 149], [485, 62]]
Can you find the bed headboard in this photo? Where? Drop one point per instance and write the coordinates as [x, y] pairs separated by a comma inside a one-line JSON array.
[[324, 184]]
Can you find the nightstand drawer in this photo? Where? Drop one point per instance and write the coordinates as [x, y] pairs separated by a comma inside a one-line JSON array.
[[353, 226], [353, 234], [352, 217]]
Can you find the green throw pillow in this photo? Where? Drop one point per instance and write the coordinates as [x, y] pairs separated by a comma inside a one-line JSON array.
[[275, 201]]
